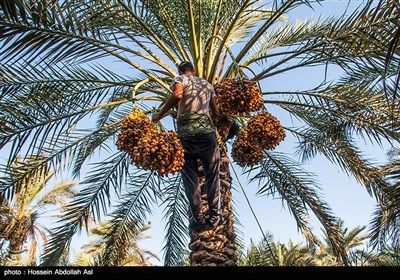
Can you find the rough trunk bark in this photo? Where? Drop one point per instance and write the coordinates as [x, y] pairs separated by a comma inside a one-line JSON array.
[[216, 246], [16, 232]]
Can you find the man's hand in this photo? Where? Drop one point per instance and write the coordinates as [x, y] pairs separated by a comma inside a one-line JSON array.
[[156, 117], [214, 108], [172, 101]]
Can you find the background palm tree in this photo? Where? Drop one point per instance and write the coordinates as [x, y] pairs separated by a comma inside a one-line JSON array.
[[94, 252], [270, 253], [388, 256], [20, 217], [353, 239], [386, 221], [60, 97]]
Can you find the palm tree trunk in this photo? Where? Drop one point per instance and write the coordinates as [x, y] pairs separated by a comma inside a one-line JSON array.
[[17, 239], [216, 246]]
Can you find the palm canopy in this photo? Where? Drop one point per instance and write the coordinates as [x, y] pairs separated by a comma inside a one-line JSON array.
[[386, 220], [270, 253], [97, 251], [22, 217], [59, 98], [353, 238]]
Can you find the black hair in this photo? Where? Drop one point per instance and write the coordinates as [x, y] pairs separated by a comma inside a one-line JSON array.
[[233, 130], [185, 66]]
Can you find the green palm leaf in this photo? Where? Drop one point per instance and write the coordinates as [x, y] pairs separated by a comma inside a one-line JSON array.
[[337, 146], [296, 187], [57, 195], [24, 203], [52, 30], [91, 203], [176, 213], [129, 218], [386, 219]]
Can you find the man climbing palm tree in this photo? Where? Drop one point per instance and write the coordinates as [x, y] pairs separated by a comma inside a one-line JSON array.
[[195, 97]]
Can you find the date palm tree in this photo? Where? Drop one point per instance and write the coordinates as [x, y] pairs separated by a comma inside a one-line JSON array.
[[131, 254], [388, 256], [270, 253], [71, 70], [353, 239], [386, 220], [21, 224]]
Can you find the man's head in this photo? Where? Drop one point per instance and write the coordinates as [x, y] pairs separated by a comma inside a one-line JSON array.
[[185, 66]]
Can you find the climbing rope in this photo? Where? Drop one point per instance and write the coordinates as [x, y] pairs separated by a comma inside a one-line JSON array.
[[251, 208]]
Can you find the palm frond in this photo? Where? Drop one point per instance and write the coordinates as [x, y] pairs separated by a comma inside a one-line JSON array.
[[331, 138], [22, 208], [361, 109], [350, 42], [176, 213], [296, 187], [57, 194], [69, 39], [30, 187], [352, 239], [386, 220], [23, 178], [389, 256], [90, 203], [140, 258], [13, 10], [146, 24], [228, 22], [60, 242], [273, 181], [95, 252], [242, 29], [294, 43], [52, 31], [130, 217], [66, 146], [355, 237], [270, 253], [278, 10], [38, 110], [31, 261], [257, 254], [253, 15], [61, 81]]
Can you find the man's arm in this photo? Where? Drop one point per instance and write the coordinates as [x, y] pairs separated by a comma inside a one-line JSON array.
[[214, 108], [172, 101]]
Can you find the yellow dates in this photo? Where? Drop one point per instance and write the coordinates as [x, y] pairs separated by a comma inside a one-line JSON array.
[[148, 147]]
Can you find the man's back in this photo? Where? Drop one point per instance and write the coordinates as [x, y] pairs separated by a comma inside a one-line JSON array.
[[197, 93]]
